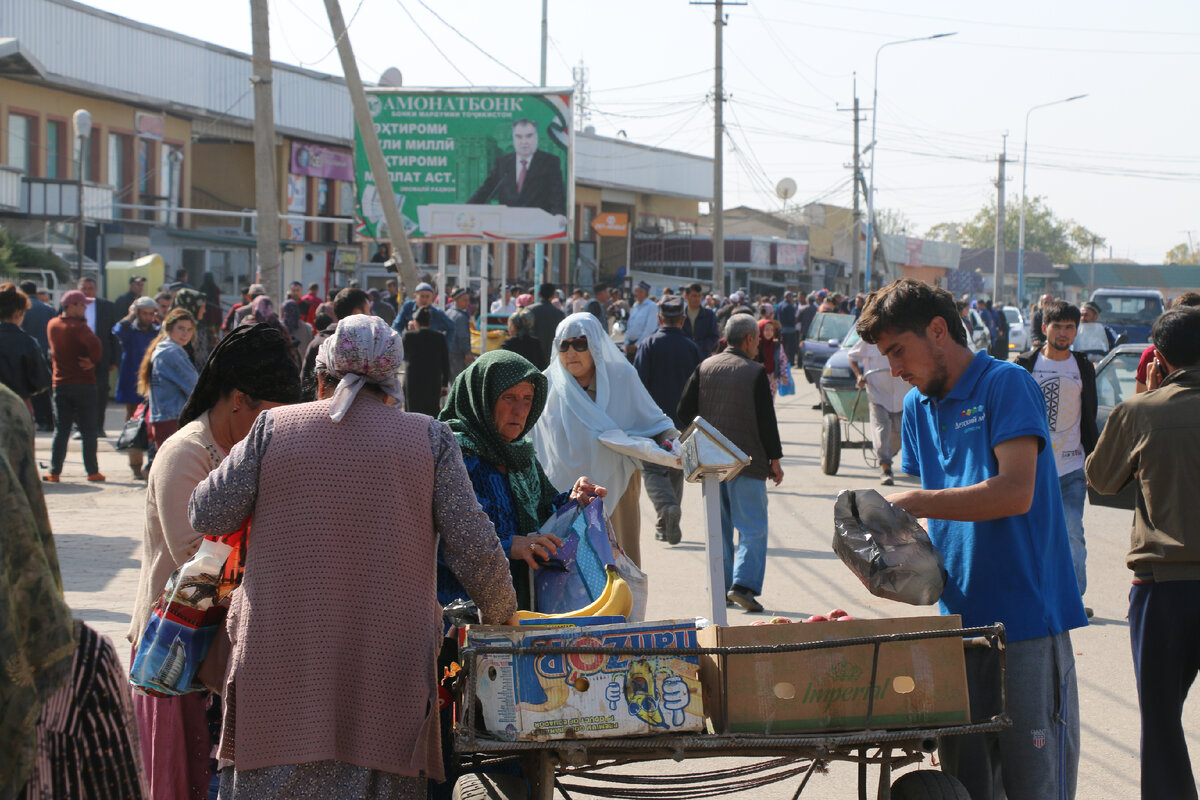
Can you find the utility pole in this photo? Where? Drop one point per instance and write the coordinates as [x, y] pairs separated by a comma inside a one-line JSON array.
[[545, 36], [998, 268], [402, 254], [856, 226], [266, 190]]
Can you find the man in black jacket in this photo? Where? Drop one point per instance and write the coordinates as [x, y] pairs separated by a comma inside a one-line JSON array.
[[546, 317], [700, 323], [1068, 382], [101, 317], [527, 177], [426, 366], [36, 319]]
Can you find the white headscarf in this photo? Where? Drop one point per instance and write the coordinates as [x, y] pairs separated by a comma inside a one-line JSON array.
[[566, 434], [363, 349]]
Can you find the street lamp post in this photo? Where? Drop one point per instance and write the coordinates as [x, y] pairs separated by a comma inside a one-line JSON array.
[[81, 120], [1024, 169], [874, 115]]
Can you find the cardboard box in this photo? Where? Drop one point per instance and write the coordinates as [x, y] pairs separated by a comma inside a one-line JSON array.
[[920, 683], [583, 696]]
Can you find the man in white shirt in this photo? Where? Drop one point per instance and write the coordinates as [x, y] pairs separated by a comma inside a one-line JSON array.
[[1068, 382], [886, 395], [506, 305], [643, 318]]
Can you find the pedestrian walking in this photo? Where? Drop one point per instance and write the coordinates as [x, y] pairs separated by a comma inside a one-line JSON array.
[[37, 316], [643, 318], [772, 356], [522, 341], [249, 371], [732, 392], [885, 393], [75, 353], [426, 366], [422, 298], [594, 389], [167, 375], [316, 701], [101, 316], [300, 332], [598, 305], [975, 433], [546, 317], [459, 342], [664, 361], [201, 343], [785, 312], [137, 287], [23, 368], [1068, 383], [136, 331], [1152, 439], [700, 323]]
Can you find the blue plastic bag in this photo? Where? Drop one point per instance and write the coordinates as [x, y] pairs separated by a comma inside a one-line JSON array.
[[578, 573], [788, 388]]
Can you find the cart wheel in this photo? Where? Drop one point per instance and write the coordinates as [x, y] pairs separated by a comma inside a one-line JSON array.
[[487, 786], [928, 784], [831, 444]]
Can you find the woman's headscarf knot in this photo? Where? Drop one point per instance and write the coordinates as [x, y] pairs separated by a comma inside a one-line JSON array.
[[363, 349]]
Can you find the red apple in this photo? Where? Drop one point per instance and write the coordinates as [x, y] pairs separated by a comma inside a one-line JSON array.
[[846, 618], [817, 618], [837, 612]]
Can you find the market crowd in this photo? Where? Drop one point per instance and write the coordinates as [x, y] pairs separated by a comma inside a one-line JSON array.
[[307, 694]]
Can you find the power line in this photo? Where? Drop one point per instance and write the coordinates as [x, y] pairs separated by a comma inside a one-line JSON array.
[[434, 44], [469, 41], [653, 83]]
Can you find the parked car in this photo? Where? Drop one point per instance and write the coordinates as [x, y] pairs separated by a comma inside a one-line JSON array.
[[1018, 329], [825, 336], [1129, 311], [1116, 380], [836, 376]]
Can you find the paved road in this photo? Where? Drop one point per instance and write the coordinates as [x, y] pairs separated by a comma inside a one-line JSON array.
[[98, 531]]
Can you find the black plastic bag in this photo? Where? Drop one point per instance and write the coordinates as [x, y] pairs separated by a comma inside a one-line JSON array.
[[886, 548]]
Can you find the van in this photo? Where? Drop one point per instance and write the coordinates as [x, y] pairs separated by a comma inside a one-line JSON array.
[[1129, 311]]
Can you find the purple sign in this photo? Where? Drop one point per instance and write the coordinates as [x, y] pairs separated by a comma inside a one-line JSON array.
[[322, 162]]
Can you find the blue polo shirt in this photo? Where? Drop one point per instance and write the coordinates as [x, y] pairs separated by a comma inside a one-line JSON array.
[[1015, 570]]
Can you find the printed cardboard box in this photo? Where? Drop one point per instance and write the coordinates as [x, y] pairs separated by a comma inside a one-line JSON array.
[[582, 696], [920, 683]]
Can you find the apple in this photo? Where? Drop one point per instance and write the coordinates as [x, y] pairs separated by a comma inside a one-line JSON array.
[[817, 618], [837, 612], [846, 618]]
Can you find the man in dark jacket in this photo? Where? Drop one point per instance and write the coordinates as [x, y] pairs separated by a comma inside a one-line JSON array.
[[23, 368], [546, 317], [526, 177], [102, 317], [36, 318], [426, 366], [1068, 382], [137, 285], [664, 361], [598, 305], [785, 314], [700, 323]]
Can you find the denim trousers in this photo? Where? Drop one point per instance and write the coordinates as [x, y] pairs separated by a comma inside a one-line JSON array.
[[75, 404], [1073, 486], [744, 506], [664, 486]]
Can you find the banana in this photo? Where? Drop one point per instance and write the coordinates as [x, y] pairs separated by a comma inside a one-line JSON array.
[[615, 600]]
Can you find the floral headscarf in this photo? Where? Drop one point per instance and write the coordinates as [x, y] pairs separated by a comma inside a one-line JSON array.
[[363, 349], [290, 313], [262, 309], [191, 301]]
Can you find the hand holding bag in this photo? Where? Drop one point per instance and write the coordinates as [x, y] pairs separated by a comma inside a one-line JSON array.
[[133, 435]]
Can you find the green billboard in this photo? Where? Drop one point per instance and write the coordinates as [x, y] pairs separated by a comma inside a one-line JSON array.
[[470, 165]]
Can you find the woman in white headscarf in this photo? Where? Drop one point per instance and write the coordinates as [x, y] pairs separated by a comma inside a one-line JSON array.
[[330, 689], [594, 390]]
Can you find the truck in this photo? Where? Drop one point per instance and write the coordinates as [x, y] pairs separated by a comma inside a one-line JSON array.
[[1129, 311]]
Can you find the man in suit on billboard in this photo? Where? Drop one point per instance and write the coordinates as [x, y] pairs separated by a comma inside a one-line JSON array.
[[527, 177]]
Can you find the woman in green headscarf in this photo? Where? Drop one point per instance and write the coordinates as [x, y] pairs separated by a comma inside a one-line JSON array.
[[492, 406]]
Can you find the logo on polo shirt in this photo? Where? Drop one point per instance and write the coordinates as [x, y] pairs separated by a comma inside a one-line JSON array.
[[970, 416]]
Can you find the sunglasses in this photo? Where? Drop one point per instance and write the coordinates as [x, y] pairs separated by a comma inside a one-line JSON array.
[[579, 345]]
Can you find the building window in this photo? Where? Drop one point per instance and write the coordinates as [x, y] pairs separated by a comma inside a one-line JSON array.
[[647, 222], [22, 143], [587, 215], [170, 183], [666, 224], [687, 226], [57, 165], [120, 169]]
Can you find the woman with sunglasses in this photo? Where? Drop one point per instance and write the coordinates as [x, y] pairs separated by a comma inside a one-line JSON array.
[[593, 389]]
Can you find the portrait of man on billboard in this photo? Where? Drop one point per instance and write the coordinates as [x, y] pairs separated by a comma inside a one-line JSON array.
[[527, 177]]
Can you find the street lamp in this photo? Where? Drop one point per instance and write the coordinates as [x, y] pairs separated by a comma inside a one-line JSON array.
[[1024, 169], [874, 108], [81, 120]]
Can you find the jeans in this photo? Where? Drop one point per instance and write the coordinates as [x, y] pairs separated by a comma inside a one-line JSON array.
[[74, 404], [664, 486], [1164, 631], [1073, 486], [744, 506], [791, 346]]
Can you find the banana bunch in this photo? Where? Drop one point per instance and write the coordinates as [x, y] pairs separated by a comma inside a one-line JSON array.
[[615, 600]]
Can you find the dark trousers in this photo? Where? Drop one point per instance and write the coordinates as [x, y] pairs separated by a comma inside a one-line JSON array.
[[74, 404], [101, 398], [43, 410], [1164, 630], [791, 346]]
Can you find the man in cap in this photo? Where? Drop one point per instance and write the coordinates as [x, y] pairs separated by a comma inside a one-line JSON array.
[[459, 342], [1090, 312], [256, 290], [643, 318], [422, 298], [136, 331], [664, 361], [75, 352], [137, 286]]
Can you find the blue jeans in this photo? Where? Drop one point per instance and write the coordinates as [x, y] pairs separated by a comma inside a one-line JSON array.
[[744, 506], [1073, 486], [74, 404]]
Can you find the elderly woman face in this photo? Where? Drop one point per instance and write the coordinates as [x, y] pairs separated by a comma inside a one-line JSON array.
[[512, 410], [576, 358]]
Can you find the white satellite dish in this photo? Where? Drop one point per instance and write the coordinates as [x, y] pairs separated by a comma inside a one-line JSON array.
[[785, 188], [391, 77]]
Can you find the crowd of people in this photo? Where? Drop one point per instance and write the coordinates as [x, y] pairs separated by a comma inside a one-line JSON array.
[[311, 691]]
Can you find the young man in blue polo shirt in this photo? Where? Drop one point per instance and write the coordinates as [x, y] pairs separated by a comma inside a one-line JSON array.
[[975, 432]]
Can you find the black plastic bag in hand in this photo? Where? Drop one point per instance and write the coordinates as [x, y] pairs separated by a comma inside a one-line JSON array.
[[886, 548]]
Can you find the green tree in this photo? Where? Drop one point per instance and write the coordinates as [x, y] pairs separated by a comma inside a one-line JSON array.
[[1062, 240], [893, 220], [14, 255], [1182, 254]]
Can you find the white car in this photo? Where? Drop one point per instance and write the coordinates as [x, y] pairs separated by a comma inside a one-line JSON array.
[[1018, 329]]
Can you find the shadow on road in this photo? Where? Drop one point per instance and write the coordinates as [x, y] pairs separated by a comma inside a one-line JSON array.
[[51, 489], [100, 615]]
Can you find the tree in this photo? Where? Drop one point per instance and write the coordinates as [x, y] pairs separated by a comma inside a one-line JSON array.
[[14, 256], [1182, 253], [1062, 240], [892, 220]]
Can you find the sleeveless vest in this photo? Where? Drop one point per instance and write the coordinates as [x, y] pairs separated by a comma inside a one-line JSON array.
[[727, 401]]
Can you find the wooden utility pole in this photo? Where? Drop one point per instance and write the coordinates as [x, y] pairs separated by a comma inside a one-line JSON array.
[[266, 190], [718, 203], [998, 265], [856, 226], [402, 254]]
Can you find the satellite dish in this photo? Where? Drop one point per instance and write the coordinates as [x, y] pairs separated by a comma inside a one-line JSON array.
[[785, 188], [391, 77]]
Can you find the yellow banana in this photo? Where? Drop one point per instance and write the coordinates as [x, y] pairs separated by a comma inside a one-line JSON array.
[[615, 600]]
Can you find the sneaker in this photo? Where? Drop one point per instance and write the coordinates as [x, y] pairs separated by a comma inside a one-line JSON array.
[[96, 477], [886, 477], [671, 531], [659, 535], [138, 474], [50, 477], [743, 598]]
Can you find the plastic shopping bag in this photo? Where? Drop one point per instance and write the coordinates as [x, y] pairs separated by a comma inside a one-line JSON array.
[[577, 574], [787, 386], [886, 548]]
